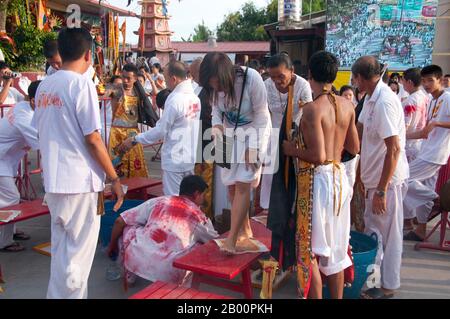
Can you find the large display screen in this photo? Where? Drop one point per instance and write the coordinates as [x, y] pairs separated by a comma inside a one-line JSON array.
[[398, 32]]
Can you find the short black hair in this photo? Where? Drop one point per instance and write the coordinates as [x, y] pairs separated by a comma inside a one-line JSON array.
[[177, 68], [395, 74], [367, 67], [3, 65], [413, 75], [323, 67], [161, 98], [50, 48], [114, 77], [130, 68], [73, 43], [158, 66], [254, 64], [432, 70], [278, 60], [346, 88], [191, 184], [33, 88], [140, 74]]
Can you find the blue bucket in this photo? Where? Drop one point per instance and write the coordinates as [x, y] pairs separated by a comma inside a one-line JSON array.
[[364, 250], [108, 219]]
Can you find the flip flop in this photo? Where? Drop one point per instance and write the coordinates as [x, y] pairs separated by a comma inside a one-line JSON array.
[[21, 236], [412, 236], [13, 248], [375, 293]]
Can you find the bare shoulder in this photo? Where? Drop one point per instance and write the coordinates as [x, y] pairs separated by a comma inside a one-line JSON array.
[[310, 111], [346, 106]]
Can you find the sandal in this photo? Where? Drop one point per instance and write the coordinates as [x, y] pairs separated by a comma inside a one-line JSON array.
[[20, 235], [412, 236], [13, 248], [375, 293]]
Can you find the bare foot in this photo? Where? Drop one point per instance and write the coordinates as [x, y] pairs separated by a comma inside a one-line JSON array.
[[227, 248]]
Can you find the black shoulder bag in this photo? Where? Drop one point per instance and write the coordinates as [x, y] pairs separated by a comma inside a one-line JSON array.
[[224, 148]]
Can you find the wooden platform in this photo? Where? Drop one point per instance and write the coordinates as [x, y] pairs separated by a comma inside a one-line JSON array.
[[163, 290]]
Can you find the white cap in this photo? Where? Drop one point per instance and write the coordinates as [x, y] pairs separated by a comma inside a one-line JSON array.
[[154, 60]]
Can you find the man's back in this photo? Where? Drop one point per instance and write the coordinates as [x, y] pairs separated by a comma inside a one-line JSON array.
[[335, 115], [66, 111]]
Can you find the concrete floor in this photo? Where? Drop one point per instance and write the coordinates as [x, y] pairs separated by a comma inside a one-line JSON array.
[[425, 274]]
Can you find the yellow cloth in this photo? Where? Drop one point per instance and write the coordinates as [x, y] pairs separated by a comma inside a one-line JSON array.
[[124, 126], [269, 270], [206, 171]]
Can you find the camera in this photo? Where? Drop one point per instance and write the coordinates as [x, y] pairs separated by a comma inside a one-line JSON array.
[[11, 75]]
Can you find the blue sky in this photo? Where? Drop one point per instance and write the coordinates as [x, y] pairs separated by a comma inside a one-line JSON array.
[[186, 14]]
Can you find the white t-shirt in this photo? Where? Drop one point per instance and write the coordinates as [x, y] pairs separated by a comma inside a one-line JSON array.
[[415, 109], [90, 73], [16, 136], [436, 148], [179, 128], [14, 96], [67, 109], [382, 117], [278, 101]]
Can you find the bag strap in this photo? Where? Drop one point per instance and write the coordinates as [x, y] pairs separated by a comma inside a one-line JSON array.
[[240, 100]]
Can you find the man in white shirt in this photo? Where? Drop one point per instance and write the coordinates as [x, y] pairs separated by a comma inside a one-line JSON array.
[[446, 82], [8, 94], [384, 171], [415, 108], [433, 154], [16, 137], [178, 128], [74, 162], [54, 60]]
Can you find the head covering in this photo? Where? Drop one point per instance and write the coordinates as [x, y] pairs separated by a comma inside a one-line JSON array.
[[154, 60]]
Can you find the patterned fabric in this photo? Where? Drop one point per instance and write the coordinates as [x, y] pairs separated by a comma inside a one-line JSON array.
[[206, 171], [124, 126], [305, 184]]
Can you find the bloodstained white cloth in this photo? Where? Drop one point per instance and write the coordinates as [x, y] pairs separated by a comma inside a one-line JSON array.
[[158, 232]]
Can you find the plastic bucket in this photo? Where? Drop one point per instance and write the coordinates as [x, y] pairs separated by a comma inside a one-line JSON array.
[[364, 250], [108, 219]]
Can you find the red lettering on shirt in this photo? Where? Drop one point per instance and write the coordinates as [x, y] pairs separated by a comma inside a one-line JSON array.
[[49, 100]]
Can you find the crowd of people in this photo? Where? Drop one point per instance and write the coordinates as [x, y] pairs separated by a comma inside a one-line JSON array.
[[393, 42], [321, 160]]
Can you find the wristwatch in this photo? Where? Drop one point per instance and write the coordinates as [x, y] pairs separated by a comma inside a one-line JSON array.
[[380, 193]]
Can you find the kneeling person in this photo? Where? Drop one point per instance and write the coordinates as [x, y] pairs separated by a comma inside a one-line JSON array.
[[151, 236]]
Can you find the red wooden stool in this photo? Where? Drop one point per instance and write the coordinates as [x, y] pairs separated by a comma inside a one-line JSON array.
[[163, 290]]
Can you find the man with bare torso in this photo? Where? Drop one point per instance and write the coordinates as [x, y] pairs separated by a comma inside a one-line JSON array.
[[327, 128]]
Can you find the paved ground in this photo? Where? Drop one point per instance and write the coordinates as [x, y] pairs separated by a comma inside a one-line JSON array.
[[425, 274]]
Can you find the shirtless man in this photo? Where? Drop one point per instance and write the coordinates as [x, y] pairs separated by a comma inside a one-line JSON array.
[[327, 128]]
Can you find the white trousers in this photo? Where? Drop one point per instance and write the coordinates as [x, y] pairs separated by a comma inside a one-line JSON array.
[[266, 187], [221, 200], [9, 195], [389, 229], [172, 180], [421, 190], [75, 227], [331, 223]]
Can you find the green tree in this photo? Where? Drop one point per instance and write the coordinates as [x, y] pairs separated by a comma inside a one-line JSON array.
[[201, 33], [248, 23]]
